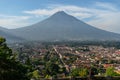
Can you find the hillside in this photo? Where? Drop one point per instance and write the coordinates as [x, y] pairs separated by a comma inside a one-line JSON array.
[[9, 37]]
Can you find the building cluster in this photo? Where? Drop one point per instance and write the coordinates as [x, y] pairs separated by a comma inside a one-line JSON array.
[[77, 56]]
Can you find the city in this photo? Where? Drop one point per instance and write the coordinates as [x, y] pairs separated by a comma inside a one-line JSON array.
[[68, 57]]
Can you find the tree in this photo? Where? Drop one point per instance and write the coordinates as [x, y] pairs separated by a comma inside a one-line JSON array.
[[36, 75], [110, 72], [75, 72], [51, 68], [82, 72], [94, 71], [10, 69]]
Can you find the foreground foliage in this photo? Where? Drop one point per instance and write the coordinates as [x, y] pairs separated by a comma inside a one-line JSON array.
[[10, 69], [110, 72], [82, 72]]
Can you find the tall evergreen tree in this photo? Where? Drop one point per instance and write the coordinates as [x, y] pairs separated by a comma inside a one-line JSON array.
[[10, 69]]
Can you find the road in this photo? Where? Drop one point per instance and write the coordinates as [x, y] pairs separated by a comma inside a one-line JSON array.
[[61, 58]]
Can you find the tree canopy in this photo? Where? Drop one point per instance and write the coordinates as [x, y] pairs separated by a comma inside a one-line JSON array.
[[10, 68]]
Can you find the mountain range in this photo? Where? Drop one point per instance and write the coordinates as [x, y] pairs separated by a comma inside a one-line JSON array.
[[60, 26]]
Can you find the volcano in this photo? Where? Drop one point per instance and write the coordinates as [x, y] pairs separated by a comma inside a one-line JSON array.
[[62, 26]]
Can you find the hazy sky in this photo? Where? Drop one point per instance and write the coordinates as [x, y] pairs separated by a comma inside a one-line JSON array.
[[104, 14]]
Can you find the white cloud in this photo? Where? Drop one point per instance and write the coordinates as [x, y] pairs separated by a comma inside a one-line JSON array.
[[71, 9], [107, 6], [108, 21], [14, 21]]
